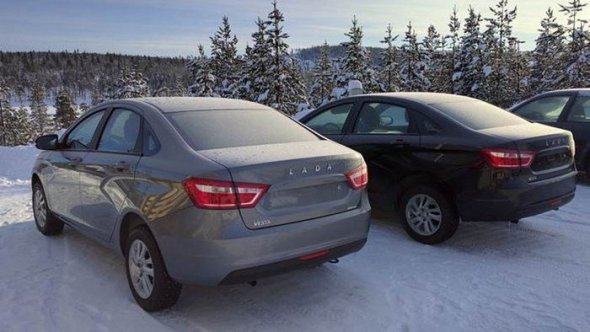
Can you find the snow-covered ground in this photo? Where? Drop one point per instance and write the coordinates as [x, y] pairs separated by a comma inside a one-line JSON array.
[[534, 276]]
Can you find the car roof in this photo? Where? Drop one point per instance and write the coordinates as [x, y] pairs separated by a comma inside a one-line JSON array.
[[427, 98], [182, 104]]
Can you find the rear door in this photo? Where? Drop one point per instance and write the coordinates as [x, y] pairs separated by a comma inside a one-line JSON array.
[[107, 173], [331, 121], [386, 134], [577, 120]]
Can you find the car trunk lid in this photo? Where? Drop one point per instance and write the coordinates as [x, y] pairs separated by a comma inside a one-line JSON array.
[[307, 179], [552, 147]]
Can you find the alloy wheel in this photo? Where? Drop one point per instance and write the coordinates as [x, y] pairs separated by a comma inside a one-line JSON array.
[[423, 214], [141, 269]]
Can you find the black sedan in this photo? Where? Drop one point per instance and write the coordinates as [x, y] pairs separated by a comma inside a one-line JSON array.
[[440, 159], [567, 109]]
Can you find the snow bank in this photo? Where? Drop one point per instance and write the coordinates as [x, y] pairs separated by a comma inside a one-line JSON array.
[[15, 165]]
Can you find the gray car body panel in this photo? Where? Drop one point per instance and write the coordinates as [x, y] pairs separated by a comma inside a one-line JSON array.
[[202, 246]]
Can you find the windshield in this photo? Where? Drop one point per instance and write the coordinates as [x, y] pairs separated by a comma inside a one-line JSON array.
[[214, 129], [479, 115]]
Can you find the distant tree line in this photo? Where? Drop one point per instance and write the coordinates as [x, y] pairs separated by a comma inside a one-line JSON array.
[[479, 56]]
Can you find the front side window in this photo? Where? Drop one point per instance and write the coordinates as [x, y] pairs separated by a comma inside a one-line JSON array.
[[80, 137], [330, 121], [545, 109], [381, 118], [121, 132], [580, 110]]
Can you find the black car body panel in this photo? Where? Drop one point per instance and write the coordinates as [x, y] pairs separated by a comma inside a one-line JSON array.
[[437, 149]]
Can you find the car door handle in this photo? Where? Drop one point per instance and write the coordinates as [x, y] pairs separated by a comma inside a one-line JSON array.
[[121, 166], [74, 162], [398, 143]]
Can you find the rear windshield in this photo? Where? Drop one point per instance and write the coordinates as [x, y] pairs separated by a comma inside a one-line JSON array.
[[479, 115], [216, 129]]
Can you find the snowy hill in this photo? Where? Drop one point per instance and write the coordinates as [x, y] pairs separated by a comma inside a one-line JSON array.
[[533, 276]]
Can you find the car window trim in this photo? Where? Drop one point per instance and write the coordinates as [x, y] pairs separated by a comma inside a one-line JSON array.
[[139, 141]]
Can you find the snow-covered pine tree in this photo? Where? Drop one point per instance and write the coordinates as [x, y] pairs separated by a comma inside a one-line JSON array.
[[356, 65], [5, 113], [41, 123], [577, 57], [390, 76], [452, 58], [256, 81], [96, 97], [203, 80], [22, 127], [546, 66], [496, 38], [413, 63], [286, 89], [321, 87], [434, 48], [519, 73], [224, 61], [65, 112], [130, 84], [468, 75]]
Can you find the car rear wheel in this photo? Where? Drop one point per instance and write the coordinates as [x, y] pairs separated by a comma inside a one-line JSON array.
[[427, 216], [150, 284], [45, 221]]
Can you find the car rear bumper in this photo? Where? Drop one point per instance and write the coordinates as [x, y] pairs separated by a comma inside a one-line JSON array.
[[222, 250], [518, 201]]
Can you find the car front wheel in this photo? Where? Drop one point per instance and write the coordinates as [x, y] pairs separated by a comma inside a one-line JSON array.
[[45, 221], [150, 284], [427, 216]]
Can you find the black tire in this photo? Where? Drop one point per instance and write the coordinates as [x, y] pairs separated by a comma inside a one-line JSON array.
[[443, 230], [47, 223], [165, 291]]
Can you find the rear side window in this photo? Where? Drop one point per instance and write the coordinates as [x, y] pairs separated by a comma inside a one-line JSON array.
[[150, 143], [216, 129], [479, 115], [121, 132], [547, 109], [382, 118]]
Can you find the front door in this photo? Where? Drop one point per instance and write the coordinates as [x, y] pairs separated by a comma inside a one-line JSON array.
[[578, 122], [108, 172], [63, 192]]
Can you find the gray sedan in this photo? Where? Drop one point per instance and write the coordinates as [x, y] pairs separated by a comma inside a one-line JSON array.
[[201, 190]]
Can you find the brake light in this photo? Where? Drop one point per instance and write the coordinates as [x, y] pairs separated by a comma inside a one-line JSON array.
[[500, 158], [223, 195], [358, 177]]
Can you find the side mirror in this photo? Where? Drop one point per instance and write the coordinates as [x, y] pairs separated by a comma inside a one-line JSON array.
[[47, 142]]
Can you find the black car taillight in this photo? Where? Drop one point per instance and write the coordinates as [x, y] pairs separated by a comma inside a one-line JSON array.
[[223, 195], [502, 158]]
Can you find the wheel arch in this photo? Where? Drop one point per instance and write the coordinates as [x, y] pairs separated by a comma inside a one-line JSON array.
[[424, 178], [130, 221]]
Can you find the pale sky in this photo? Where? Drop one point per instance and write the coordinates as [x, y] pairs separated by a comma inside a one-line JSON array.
[[175, 27]]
